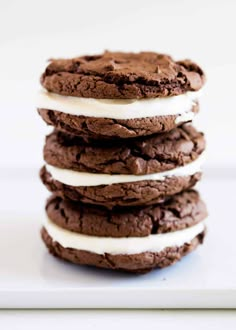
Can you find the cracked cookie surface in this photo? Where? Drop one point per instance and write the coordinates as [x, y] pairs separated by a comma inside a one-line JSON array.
[[122, 75], [181, 211], [141, 156]]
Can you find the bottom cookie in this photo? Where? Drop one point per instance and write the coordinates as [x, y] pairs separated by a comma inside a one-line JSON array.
[[135, 263]]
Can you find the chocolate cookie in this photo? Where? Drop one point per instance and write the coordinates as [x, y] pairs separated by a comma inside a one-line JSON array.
[[121, 160], [122, 194], [179, 212], [96, 96], [117, 75], [136, 263], [141, 156], [105, 128]]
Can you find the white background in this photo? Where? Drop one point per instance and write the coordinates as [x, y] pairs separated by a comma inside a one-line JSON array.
[[33, 31]]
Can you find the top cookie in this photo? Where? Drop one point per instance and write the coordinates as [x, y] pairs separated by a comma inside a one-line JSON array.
[[117, 75]]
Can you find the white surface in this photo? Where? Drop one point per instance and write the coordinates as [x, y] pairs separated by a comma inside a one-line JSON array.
[[76, 179], [119, 109], [30, 277], [119, 319], [121, 245]]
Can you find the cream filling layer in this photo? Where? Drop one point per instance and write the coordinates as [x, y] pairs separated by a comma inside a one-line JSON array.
[[79, 179], [180, 105], [124, 245]]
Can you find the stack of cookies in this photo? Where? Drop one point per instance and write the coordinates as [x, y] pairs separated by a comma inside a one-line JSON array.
[[122, 160]]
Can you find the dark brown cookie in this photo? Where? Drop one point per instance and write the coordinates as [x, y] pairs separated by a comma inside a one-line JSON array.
[[136, 263], [105, 128], [141, 156], [179, 212], [122, 194], [122, 76]]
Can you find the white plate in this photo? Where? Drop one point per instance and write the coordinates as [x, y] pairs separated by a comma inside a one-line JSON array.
[[31, 278]]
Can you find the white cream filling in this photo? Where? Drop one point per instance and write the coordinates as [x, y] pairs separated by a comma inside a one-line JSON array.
[[180, 105], [76, 179], [124, 245]]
